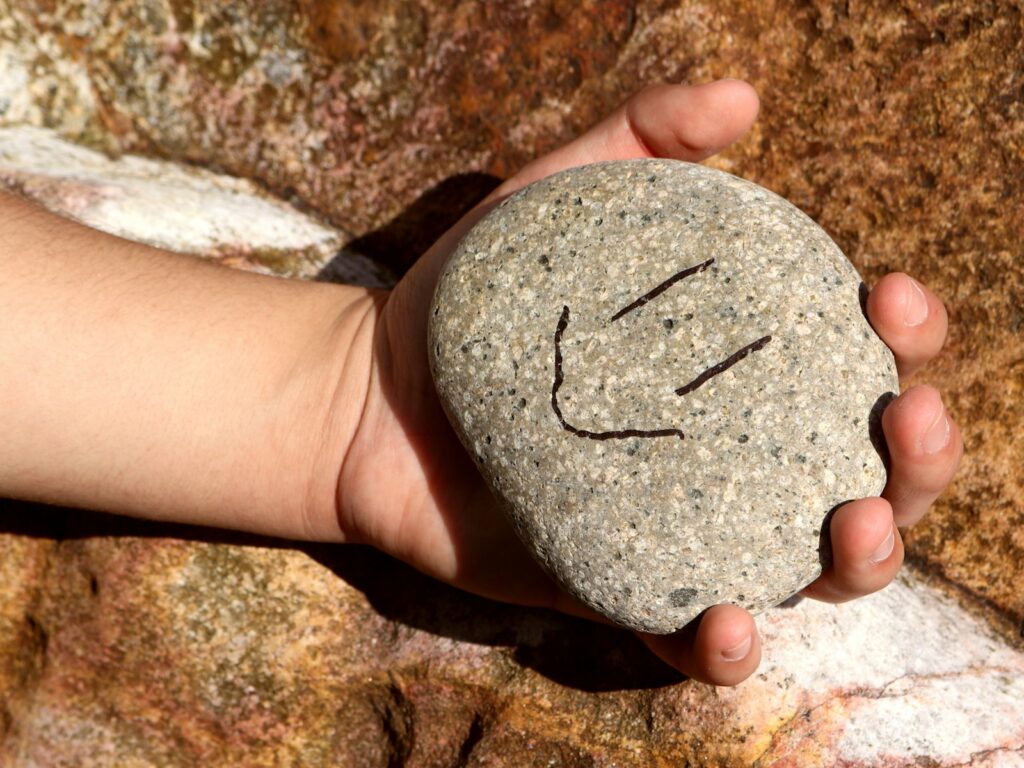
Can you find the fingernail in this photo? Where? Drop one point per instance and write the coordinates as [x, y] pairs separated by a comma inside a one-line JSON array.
[[915, 308], [739, 651], [936, 437], [884, 549]]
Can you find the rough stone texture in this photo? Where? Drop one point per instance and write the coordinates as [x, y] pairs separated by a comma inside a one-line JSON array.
[[665, 374], [185, 209], [898, 126], [150, 645]]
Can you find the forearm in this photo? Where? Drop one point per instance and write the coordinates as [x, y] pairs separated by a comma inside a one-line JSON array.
[[139, 381]]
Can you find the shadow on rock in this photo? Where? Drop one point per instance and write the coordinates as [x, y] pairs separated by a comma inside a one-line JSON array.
[[571, 652], [401, 241]]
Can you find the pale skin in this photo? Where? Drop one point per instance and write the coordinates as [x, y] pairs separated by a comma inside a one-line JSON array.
[[147, 383]]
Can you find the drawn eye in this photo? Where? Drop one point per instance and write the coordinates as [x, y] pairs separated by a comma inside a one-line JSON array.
[[685, 389]]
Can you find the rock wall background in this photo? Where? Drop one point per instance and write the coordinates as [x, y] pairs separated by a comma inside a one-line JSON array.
[[897, 125]]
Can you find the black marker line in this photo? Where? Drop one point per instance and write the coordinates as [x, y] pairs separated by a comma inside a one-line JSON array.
[[563, 323], [660, 289], [723, 366]]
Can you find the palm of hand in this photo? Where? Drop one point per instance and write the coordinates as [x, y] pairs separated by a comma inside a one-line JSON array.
[[408, 487]]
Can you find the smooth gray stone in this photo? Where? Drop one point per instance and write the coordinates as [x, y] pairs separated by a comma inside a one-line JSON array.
[[666, 377]]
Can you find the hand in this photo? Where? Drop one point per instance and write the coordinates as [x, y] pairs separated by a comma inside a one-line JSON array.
[[408, 487]]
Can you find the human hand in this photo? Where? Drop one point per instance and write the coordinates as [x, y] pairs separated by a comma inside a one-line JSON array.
[[408, 487]]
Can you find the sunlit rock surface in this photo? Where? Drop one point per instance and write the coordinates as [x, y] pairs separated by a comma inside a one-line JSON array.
[[140, 644], [182, 208], [369, 126]]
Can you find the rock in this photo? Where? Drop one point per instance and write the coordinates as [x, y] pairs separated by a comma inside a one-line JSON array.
[[666, 376], [896, 126], [135, 643], [189, 210]]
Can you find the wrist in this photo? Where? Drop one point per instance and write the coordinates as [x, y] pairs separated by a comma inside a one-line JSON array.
[[327, 402]]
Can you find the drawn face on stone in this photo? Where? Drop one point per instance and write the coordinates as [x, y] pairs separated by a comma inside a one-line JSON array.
[[626, 432], [666, 378]]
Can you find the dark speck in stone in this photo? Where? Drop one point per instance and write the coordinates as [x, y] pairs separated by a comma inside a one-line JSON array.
[[668, 323], [743, 438], [680, 598]]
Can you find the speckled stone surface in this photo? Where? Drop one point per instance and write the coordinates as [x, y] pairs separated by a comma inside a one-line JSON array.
[[665, 373]]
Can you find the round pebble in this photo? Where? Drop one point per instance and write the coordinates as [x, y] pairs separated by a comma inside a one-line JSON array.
[[665, 375]]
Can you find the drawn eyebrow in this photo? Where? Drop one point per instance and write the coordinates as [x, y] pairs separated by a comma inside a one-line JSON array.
[[661, 288], [563, 323], [723, 366]]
